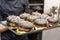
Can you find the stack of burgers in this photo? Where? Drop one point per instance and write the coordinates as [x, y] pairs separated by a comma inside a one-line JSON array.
[[28, 22], [29, 17], [20, 24]]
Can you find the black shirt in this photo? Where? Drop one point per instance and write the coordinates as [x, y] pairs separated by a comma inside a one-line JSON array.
[[13, 7]]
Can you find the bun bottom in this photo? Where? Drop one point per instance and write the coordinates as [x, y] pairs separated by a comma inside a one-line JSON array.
[[53, 24], [40, 28], [20, 32]]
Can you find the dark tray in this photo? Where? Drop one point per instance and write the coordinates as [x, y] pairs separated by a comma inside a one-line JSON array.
[[35, 31]]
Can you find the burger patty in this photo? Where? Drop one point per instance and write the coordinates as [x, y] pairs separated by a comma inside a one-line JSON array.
[[24, 29], [12, 24]]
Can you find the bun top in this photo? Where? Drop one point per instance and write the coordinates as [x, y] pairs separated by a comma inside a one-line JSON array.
[[36, 13], [11, 17], [24, 15], [31, 17], [18, 21], [52, 20], [40, 21], [26, 24]]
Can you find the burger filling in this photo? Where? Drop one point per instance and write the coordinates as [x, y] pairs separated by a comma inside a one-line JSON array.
[[24, 29], [12, 24], [41, 25]]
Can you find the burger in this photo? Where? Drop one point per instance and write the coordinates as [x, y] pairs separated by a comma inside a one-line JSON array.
[[25, 26], [21, 25], [40, 24], [53, 21], [12, 20], [24, 15]]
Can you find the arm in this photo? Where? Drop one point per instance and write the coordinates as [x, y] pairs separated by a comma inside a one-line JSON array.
[[3, 28]]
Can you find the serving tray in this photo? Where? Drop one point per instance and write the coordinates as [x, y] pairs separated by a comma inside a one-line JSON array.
[[14, 31]]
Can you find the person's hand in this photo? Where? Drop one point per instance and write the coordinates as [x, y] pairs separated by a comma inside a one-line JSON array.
[[3, 28]]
